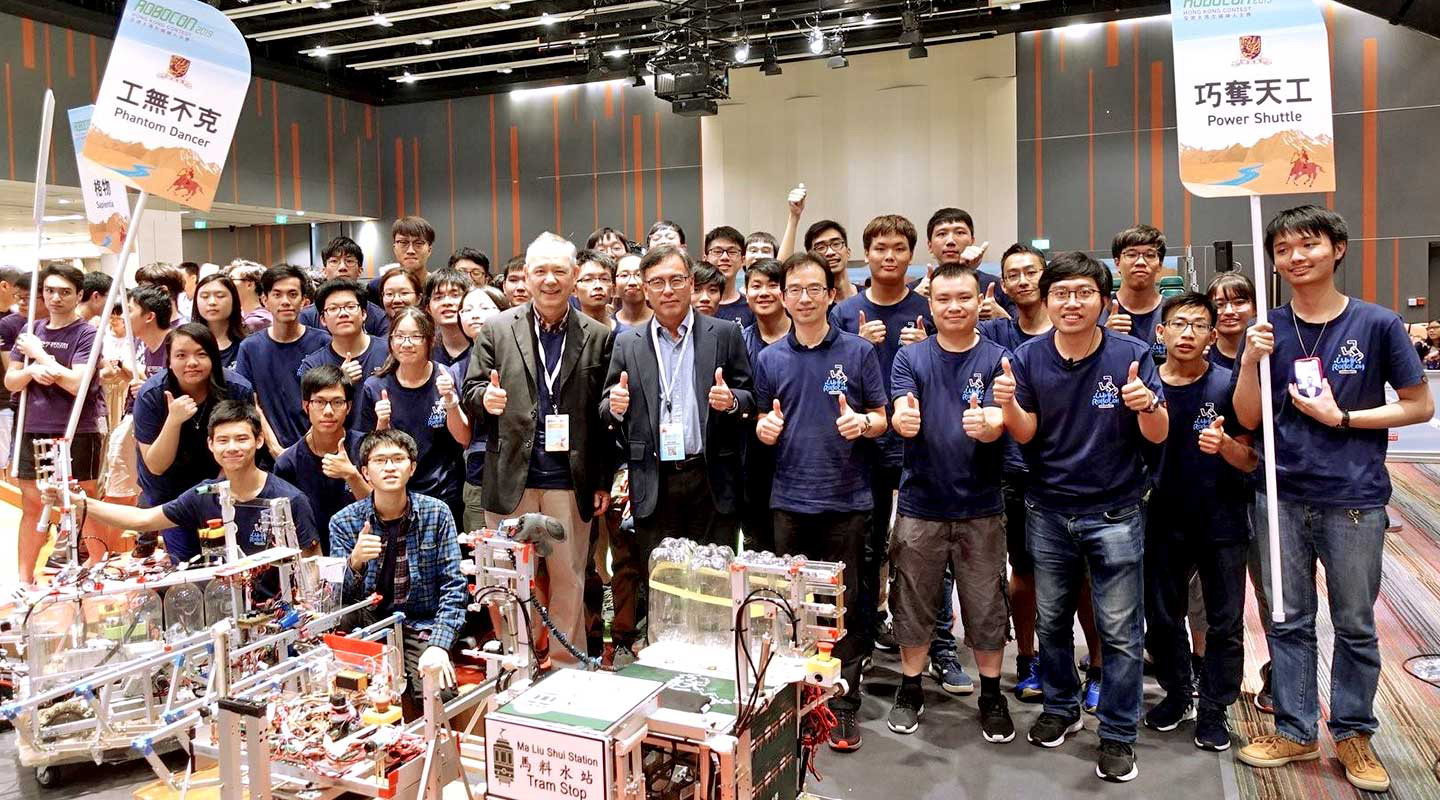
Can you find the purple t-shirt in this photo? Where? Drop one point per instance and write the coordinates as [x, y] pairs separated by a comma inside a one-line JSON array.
[[48, 407], [10, 325]]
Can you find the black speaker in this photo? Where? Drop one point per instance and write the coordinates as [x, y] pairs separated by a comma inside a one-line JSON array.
[[1224, 256]]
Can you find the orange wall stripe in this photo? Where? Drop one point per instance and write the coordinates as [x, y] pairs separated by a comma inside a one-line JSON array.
[[450, 168], [69, 53], [399, 177], [555, 156], [46, 30], [369, 128], [1370, 214], [659, 173], [94, 69], [259, 97], [283, 256], [595, 167], [295, 163], [9, 123], [330, 148], [1090, 151], [1039, 131], [494, 195], [609, 101], [637, 142], [379, 175], [1330, 47], [269, 253], [1060, 50], [1135, 110], [415, 172], [27, 43], [1112, 44], [1157, 144], [514, 190], [275, 135]]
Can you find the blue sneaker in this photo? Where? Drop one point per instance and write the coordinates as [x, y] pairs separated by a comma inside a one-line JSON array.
[[951, 676], [1028, 689], [1092, 695]]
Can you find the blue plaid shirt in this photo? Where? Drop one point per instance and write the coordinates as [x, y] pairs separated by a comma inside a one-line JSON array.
[[437, 598]]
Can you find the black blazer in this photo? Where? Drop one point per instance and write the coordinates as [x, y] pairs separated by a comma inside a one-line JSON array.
[[717, 343], [507, 343]]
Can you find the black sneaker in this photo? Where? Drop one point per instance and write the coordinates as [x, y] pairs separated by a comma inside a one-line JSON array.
[[1050, 730], [1265, 699], [885, 636], [1211, 732], [905, 714], [1117, 762], [995, 723], [845, 736], [1170, 712]]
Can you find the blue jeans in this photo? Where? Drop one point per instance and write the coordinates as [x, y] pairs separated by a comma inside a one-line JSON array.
[[1112, 545], [1350, 544]]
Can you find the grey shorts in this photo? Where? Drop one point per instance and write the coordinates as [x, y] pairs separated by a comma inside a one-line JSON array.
[[975, 551]]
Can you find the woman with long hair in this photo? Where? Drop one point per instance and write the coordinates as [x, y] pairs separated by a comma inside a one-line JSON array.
[[217, 305], [417, 395], [398, 289]]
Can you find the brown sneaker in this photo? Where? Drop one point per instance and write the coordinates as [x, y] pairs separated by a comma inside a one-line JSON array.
[[1272, 750], [1362, 768]]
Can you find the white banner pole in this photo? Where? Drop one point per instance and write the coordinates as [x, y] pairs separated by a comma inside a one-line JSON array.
[[1267, 414], [42, 166]]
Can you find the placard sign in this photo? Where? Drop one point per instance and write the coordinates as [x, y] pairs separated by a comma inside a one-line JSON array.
[[1252, 97], [107, 208], [528, 763], [172, 94]]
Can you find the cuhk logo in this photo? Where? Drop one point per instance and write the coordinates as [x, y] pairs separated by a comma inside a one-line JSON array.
[[1250, 48], [179, 68]]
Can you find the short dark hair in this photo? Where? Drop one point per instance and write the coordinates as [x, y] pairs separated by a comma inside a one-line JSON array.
[[663, 224], [659, 253], [95, 282], [469, 254], [446, 276], [798, 260], [72, 275], [391, 436], [768, 267], [587, 255], [599, 234], [323, 377], [725, 232], [413, 226], [1187, 299], [956, 271], [280, 272], [1310, 220], [228, 411], [154, 299], [409, 277], [343, 246], [888, 225], [820, 227], [339, 285], [762, 236], [1137, 235], [515, 264], [26, 281], [703, 274], [1076, 264], [1017, 249], [1232, 284], [190, 268], [161, 274], [948, 215], [10, 275]]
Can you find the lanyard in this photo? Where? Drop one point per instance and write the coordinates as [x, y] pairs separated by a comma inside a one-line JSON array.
[[667, 387], [548, 374]]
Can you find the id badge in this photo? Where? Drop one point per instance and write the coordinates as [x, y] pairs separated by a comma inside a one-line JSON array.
[[672, 441], [557, 433], [1309, 378]]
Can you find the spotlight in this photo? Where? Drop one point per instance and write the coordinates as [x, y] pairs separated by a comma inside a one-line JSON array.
[[771, 65], [425, 42], [596, 64], [636, 79], [918, 50], [379, 19], [817, 41], [742, 52], [407, 77], [838, 60], [910, 28]]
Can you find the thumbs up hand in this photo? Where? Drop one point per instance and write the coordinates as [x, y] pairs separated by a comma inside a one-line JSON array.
[[990, 308], [851, 424], [872, 331], [1118, 322], [913, 333], [180, 408], [337, 464], [382, 411], [976, 425], [771, 424], [796, 201], [367, 548], [1135, 393], [494, 399], [721, 398], [972, 254], [907, 416], [620, 396], [351, 368], [1002, 388], [445, 385], [1212, 439]]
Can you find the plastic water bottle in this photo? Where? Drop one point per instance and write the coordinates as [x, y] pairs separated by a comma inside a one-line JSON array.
[[669, 601]]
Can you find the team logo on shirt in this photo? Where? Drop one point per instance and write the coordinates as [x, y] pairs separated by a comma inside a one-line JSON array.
[[1158, 350], [1349, 360], [975, 389], [1107, 394], [1205, 418], [437, 414], [837, 382]]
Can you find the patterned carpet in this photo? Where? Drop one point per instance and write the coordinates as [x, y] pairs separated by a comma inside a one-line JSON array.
[[1408, 618]]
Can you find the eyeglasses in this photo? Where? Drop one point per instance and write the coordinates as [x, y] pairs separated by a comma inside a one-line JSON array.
[[828, 245], [676, 282], [402, 294], [334, 404], [452, 294], [814, 292], [1179, 326], [1083, 295], [407, 338], [405, 244], [1140, 255], [388, 461], [347, 308], [717, 252], [626, 277]]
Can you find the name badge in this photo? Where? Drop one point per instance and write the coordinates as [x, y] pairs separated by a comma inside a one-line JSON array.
[[672, 441], [557, 433]]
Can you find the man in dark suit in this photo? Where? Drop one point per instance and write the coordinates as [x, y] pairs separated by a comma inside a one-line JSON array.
[[546, 449], [679, 394]]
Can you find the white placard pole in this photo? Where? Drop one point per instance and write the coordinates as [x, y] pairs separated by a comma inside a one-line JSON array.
[[42, 165], [1267, 414]]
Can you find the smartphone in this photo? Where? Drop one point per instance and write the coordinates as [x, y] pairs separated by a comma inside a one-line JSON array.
[[1309, 379]]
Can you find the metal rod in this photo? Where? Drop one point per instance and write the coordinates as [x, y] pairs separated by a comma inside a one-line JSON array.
[[42, 165]]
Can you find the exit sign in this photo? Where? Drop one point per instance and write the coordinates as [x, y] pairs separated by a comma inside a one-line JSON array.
[[281, 219], [1040, 244], [201, 224]]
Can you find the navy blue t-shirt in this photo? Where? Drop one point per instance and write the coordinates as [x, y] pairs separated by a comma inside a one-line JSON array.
[[192, 511], [948, 475], [1007, 334], [547, 470], [300, 467], [1360, 351], [475, 451], [1193, 491], [229, 353], [1142, 327], [846, 316], [420, 413], [370, 362], [376, 322], [1219, 359], [192, 452], [986, 281], [442, 356], [737, 311], [1087, 455], [817, 469], [271, 367]]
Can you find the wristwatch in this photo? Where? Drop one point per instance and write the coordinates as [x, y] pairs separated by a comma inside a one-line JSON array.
[[1344, 419]]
